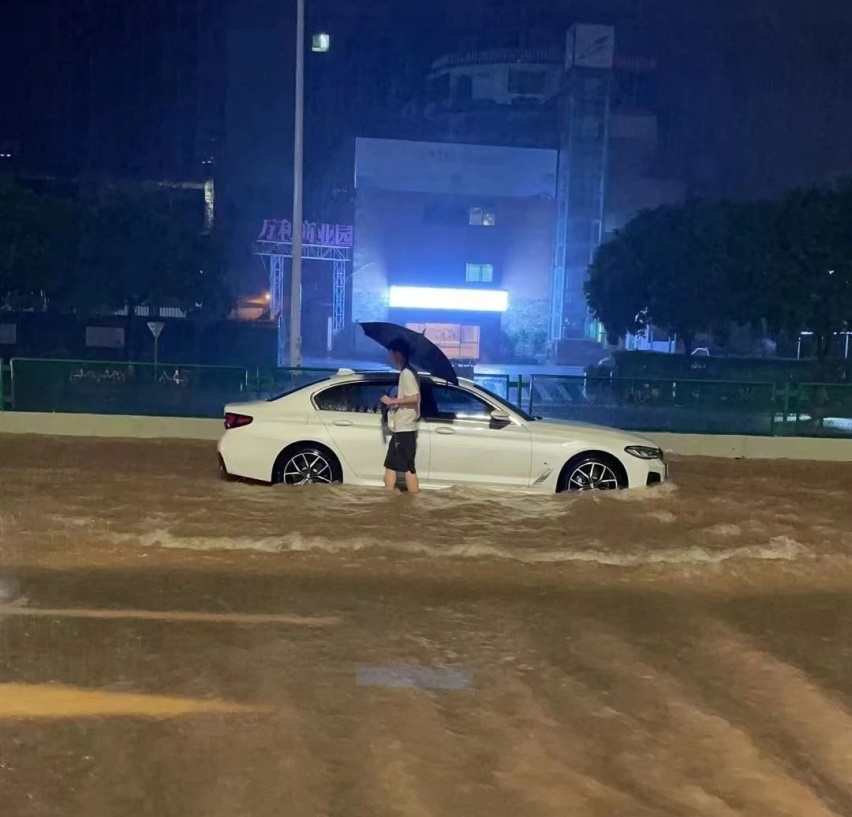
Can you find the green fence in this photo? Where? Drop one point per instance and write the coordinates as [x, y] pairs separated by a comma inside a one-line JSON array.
[[5, 383], [695, 406], [104, 387], [677, 405], [113, 387], [500, 384]]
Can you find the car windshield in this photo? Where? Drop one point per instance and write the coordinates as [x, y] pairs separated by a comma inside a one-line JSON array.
[[507, 405]]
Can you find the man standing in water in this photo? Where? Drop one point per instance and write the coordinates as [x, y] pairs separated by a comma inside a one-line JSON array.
[[403, 415]]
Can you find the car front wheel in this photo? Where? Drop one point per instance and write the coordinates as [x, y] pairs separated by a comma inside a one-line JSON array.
[[592, 473], [308, 465]]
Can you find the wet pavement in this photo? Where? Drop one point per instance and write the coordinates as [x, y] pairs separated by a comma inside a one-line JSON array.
[[173, 645]]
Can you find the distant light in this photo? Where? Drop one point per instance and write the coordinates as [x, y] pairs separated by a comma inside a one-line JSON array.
[[320, 43], [464, 300], [209, 204], [267, 296]]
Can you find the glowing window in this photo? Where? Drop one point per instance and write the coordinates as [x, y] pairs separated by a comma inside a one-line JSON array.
[[482, 217], [479, 273]]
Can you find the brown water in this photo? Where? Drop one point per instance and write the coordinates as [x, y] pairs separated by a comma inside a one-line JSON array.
[[180, 646]]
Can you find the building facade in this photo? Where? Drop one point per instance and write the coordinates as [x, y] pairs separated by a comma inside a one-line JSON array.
[[584, 99], [455, 240]]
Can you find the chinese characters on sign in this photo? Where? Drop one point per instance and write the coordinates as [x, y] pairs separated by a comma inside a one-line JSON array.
[[323, 235]]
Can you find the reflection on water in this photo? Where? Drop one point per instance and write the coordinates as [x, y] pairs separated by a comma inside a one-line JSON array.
[[675, 652]]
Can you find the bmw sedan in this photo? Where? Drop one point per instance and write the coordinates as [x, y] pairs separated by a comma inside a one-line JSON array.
[[333, 431]]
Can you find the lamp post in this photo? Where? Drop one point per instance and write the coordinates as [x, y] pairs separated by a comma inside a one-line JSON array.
[[298, 162]]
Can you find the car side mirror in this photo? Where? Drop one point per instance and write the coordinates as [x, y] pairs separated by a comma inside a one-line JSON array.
[[499, 417]]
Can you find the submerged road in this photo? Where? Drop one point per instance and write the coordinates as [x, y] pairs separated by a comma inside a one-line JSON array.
[[176, 646]]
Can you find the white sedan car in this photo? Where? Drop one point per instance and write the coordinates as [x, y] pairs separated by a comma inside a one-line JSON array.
[[332, 431]]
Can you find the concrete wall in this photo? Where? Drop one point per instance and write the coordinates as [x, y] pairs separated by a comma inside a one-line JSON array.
[[755, 448], [698, 445], [109, 425]]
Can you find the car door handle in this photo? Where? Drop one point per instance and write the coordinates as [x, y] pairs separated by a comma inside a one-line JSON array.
[[445, 430], [343, 422]]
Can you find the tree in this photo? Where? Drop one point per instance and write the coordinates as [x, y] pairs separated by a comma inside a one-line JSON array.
[[37, 246], [142, 248], [812, 265], [785, 265], [665, 268], [748, 278], [617, 286], [686, 266]]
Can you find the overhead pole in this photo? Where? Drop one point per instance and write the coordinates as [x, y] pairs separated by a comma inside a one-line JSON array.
[[298, 170]]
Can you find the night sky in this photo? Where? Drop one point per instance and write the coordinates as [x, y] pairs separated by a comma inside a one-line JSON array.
[[754, 97]]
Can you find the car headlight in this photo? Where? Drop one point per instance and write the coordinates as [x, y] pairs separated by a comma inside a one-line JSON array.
[[645, 452]]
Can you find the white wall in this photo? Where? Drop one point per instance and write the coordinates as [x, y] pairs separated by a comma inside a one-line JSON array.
[[454, 169], [109, 425]]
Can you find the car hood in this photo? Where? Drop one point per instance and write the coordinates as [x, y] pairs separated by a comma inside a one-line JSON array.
[[566, 429]]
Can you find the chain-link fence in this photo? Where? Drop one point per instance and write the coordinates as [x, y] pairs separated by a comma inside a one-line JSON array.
[[96, 387], [695, 406], [676, 405], [5, 386], [814, 410], [499, 384]]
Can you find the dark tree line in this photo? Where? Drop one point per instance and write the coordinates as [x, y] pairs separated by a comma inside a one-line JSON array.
[[120, 247], [783, 267]]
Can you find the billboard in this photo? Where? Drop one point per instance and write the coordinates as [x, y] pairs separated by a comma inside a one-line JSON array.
[[321, 235]]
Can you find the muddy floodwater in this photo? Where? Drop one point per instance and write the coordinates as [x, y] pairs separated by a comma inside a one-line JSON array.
[[172, 645]]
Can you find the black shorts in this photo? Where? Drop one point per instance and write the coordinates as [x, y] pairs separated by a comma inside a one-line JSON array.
[[401, 452]]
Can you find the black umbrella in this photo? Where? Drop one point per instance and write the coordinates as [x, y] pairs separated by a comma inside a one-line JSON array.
[[424, 354]]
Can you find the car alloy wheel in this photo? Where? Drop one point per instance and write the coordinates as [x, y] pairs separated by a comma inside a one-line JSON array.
[[592, 475], [309, 467]]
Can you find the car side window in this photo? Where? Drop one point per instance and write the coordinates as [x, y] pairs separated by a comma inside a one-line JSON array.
[[363, 398], [450, 403]]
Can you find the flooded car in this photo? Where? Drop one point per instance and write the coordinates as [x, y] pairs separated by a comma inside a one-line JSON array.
[[333, 431]]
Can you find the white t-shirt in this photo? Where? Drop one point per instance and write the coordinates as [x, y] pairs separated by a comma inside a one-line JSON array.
[[404, 418]]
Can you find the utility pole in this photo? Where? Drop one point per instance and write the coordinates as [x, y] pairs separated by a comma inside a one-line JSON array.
[[298, 167]]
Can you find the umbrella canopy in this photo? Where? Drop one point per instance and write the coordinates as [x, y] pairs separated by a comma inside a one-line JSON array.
[[424, 354]]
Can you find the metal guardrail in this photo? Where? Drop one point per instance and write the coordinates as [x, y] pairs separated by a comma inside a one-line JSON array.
[[499, 384], [5, 391], [676, 405], [696, 406], [113, 387]]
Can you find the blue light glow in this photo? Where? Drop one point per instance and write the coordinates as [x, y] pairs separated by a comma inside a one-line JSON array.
[[461, 300]]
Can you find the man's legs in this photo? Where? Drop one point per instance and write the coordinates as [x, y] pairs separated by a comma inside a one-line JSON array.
[[412, 483], [401, 453]]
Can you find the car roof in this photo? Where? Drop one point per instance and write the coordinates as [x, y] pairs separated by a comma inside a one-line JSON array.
[[351, 376]]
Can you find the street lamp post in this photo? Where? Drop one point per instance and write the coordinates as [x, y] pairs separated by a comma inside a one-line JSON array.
[[298, 163]]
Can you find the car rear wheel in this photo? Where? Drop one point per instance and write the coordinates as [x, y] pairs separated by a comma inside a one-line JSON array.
[[593, 473], [308, 465]]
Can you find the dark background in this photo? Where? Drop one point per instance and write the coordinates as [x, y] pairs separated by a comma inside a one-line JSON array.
[[753, 97]]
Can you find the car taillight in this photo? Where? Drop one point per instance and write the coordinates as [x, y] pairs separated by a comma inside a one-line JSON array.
[[237, 420]]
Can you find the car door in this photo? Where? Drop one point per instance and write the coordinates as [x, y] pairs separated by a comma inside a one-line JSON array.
[[467, 446], [351, 413]]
